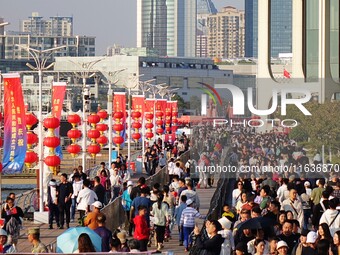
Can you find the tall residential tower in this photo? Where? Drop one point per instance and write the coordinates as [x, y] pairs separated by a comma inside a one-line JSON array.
[[168, 26]]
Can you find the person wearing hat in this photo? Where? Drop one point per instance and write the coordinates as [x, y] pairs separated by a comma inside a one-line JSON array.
[[227, 234], [213, 244], [187, 222], [6, 247], [299, 249], [126, 202], [241, 249], [282, 248], [33, 236], [53, 211], [123, 242], [91, 218], [311, 241]]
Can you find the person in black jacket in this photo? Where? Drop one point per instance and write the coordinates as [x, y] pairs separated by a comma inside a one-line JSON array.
[[320, 208], [212, 246], [65, 192]]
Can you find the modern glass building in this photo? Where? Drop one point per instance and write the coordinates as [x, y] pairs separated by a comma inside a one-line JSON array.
[[169, 26], [206, 7], [280, 31]]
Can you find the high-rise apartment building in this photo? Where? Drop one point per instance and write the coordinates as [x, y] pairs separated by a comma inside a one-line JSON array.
[[280, 23], [226, 33], [168, 26], [55, 26], [204, 9]]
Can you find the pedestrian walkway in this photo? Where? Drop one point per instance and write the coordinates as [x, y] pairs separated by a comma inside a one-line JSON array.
[[48, 236]]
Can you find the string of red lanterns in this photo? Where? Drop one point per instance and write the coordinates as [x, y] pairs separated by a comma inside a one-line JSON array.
[[136, 125], [118, 127], [93, 134], [51, 141], [32, 139], [74, 134], [102, 127], [159, 122]]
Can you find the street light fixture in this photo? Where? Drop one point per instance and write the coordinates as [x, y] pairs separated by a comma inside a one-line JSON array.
[[85, 73], [40, 58]]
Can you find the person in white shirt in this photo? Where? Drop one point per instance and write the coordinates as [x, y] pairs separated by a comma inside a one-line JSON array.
[[282, 190], [178, 171], [236, 195], [294, 205], [116, 183], [171, 168], [77, 187], [332, 216], [86, 197]]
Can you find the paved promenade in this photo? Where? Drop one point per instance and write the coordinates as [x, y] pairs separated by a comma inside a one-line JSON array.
[[48, 235]]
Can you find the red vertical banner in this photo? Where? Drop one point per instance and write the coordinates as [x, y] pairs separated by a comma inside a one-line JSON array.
[[149, 105], [138, 104], [15, 138], [58, 95], [168, 118], [161, 105], [119, 105], [174, 115]]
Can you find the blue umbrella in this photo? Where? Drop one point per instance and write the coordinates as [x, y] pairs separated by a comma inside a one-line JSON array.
[[67, 242]]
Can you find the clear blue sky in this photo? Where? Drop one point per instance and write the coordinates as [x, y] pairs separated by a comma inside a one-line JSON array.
[[111, 21]]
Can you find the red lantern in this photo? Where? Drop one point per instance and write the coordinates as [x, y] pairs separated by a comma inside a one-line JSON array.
[[159, 114], [160, 131], [31, 138], [118, 140], [93, 133], [149, 135], [101, 127], [149, 125], [168, 114], [51, 122], [102, 140], [31, 157], [74, 134], [74, 119], [175, 121], [30, 120], [118, 115], [52, 141], [136, 115], [159, 122], [52, 161], [136, 125], [1, 142], [73, 149], [118, 127], [102, 114], [168, 129], [168, 121], [149, 116], [93, 149], [174, 114], [93, 119], [136, 136]]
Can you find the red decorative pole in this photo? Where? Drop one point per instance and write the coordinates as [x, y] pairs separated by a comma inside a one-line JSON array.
[[52, 141]]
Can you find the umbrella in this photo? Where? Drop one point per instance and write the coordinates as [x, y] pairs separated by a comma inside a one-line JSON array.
[[257, 223], [67, 242]]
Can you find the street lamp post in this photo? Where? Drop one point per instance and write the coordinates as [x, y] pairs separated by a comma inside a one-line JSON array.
[[85, 73], [110, 79], [40, 58]]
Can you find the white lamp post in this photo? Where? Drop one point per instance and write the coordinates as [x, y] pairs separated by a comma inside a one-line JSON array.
[[85, 73], [40, 58], [111, 79]]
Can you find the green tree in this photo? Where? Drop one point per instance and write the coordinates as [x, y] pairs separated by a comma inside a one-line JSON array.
[[180, 102]]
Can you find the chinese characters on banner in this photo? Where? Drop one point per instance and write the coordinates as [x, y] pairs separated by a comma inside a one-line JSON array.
[[149, 105], [138, 104], [15, 139], [174, 120], [58, 94], [119, 105]]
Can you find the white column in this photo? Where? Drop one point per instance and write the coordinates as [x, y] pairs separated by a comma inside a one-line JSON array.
[[40, 148]]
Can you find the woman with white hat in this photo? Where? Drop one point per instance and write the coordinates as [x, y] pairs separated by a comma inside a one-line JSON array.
[[227, 234]]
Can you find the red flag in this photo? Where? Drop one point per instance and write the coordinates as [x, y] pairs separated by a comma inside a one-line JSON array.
[[138, 104], [286, 74]]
